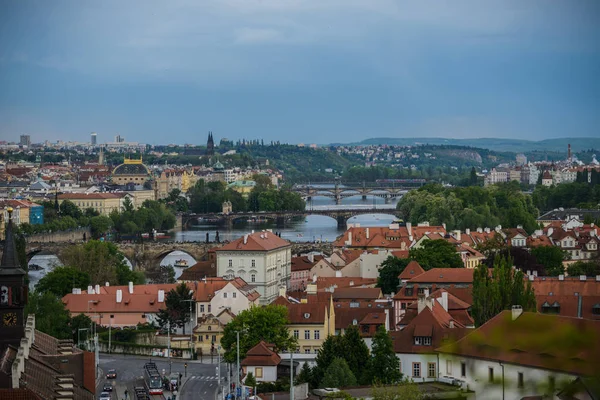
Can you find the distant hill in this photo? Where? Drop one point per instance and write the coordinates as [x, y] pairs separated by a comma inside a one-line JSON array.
[[512, 145]]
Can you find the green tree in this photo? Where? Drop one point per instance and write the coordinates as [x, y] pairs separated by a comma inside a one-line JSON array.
[[406, 390], [126, 275], [127, 205], [331, 349], [551, 257], [69, 209], [306, 375], [390, 268], [100, 225], [436, 254], [267, 323], [385, 364], [177, 307], [588, 268], [356, 354], [338, 375], [79, 322], [500, 290], [51, 316], [100, 260], [473, 177], [250, 380], [62, 280]]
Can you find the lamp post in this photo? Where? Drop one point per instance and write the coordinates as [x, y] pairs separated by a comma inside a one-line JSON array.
[[169, 344], [237, 387], [191, 301]]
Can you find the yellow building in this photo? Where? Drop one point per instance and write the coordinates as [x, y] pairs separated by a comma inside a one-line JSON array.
[[175, 179], [131, 171], [104, 203], [311, 321], [20, 210], [207, 335], [139, 196], [242, 187]]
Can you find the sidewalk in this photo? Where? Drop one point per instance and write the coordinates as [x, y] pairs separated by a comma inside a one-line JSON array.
[[167, 394]]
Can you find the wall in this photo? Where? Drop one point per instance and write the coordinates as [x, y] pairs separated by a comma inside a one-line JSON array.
[[143, 350], [535, 380], [75, 235], [370, 262], [236, 304], [269, 374], [406, 364]]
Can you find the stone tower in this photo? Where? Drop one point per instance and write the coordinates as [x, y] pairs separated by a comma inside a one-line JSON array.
[[210, 145]]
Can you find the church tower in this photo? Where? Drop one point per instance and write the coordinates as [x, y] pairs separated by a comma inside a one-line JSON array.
[[13, 292], [210, 145]]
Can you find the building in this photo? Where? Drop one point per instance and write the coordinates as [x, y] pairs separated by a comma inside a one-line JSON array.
[[208, 334], [236, 296], [210, 145], [262, 259], [300, 271], [243, 187], [25, 140], [173, 178], [23, 211], [131, 171], [104, 203], [35, 365], [518, 354], [547, 178], [261, 361], [392, 237], [499, 175], [521, 159], [93, 138], [577, 297]]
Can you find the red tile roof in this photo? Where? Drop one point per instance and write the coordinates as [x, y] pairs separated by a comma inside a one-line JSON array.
[[303, 263], [344, 282], [199, 271], [352, 293], [258, 241], [412, 270], [261, 355], [89, 196], [445, 275], [535, 340], [378, 237]]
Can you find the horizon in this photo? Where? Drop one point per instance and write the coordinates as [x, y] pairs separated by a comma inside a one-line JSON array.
[[325, 72]]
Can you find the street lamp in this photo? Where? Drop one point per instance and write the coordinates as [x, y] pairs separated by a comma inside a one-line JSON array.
[[191, 301]]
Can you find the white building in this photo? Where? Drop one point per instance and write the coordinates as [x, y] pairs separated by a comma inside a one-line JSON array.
[[261, 361], [262, 259], [236, 296], [517, 354], [496, 176]]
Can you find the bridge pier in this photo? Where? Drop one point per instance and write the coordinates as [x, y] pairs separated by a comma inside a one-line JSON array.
[[364, 196], [341, 221], [280, 222], [388, 199], [338, 199]]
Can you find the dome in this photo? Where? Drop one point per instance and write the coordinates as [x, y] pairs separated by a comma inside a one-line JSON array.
[[218, 166], [131, 169]]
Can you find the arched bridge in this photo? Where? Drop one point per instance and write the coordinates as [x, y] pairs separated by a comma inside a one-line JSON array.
[[387, 189], [280, 217]]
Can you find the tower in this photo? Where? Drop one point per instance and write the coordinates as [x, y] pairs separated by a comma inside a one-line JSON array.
[[94, 138], [210, 145], [101, 156], [569, 154], [13, 292]]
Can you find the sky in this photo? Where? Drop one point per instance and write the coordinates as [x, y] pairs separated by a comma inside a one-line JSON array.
[[313, 71]]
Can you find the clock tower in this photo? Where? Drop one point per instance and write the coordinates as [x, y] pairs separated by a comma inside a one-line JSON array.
[[13, 292]]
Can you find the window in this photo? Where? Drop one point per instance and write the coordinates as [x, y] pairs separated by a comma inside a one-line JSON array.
[[596, 309], [421, 291], [201, 307], [230, 263], [449, 367], [491, 374], [258, 372], [403, 306], [307, 350], [307, 334], [520, 379], [224, 295], [317, 335], [253, 277], [416, 370], [296, 334], [463, 369], [354, 304], [408, 291], [209, 308], [234, 295], [210, 328], [431, 370], [254, 263], [423, 340], [365, 328], [214, 338]]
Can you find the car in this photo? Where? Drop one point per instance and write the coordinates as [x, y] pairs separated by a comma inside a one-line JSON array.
[[111, 374], [107, 388], [104, 396]]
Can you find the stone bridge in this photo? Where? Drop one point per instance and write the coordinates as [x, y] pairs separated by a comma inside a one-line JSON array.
[[388, 189], [340, 215]]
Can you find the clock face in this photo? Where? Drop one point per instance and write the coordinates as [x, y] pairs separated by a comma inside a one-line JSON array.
[[9, 319]]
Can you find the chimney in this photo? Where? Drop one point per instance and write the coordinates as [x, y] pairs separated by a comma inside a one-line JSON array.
[[367, 232], [338, 274], [445, 300], [161, 296], [487, 230], [451, 324], [597, 278], [516, 312], [420, 303], [107, 284], [426, 292], [349, 242], [550, 231], [467, 231], [119, 295], [444, 225], [535, 273], [245, 239], [579, 306], [561, 277], [528, 272], [97, 289], [253, 231], [531, 278], [266, 235], [130, 287], [311, 257], [387, 319], [582, 277], [311, 288], [409, 228], [74, 291], [457, 235], [90, 289], [479, 230]]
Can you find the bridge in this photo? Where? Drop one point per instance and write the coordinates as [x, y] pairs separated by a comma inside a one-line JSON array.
[[387, 189], [280, 217]]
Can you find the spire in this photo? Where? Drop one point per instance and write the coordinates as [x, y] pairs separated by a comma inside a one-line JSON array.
[[10, 259]]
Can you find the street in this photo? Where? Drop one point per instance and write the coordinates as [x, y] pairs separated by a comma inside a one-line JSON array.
[[200, 378]]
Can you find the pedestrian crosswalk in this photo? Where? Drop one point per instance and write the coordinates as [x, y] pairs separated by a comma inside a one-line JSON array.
[[205, 378]]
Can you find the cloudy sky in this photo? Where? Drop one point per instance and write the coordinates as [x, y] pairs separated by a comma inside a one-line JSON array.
[[320, 71]]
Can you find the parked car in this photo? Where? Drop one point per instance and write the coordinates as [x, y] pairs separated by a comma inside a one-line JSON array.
[[111, 374]]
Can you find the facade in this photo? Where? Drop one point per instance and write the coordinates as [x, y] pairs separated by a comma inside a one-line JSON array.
[[21, 210], [25, 140], [517, 360], [104, 203], [170, 179], [208, 334], [496, 176], [262, 259], [243, 187], [131, 171], [236, 296], [547, 179], [261, 361], [300, 271]]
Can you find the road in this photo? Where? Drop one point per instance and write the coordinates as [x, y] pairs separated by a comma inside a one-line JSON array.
[[201, 382]]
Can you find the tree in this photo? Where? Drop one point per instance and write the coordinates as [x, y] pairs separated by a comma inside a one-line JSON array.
[[250, 380], [406, 390], [500, 290], [306, 375], [177, 308], [390, 268], [51, 316], [437, 254], [385, 364], [100, 225], [62, 280], [69, 209], [589, 268], [100, 260], [78, 322], [332, 348], [126, 275], [551, 257], [473, 177], [356, 354], [267, 323], [338, 375]]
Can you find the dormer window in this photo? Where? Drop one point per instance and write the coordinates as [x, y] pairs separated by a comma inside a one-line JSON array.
[[596, 309], [553, 308], [422, 340], [354, 322], [354, 304], [307, 315]]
